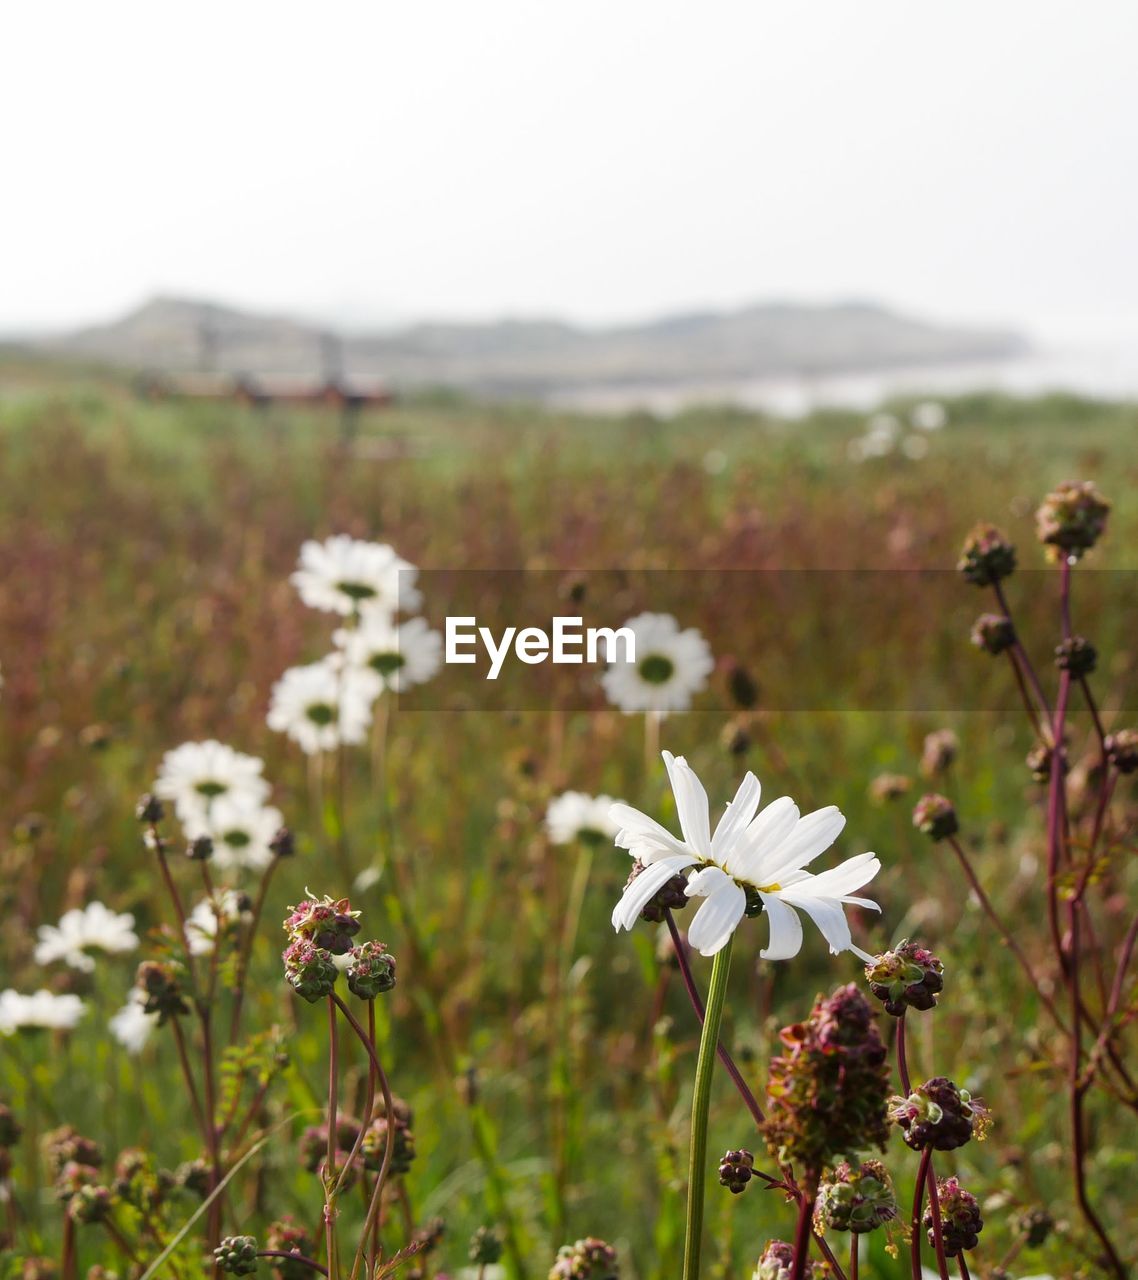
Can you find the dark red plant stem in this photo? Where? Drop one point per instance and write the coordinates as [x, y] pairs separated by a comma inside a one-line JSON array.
[[1055, 821], [1078, 1089], [292, 1257], [725, 1058], [802, 1236], [1029, 706], [330, 1156], [854, 1251], [1006, 936], [963, 1266], [938, 1230], [902, 1062], [918, 1203], [67, 1264], [188, 1076], [389, 1136], [1021, 653]]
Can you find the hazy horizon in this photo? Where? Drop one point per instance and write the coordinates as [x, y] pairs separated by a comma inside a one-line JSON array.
[[579, 162]]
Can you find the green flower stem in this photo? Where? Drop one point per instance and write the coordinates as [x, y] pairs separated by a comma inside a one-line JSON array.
[[705, 1067]]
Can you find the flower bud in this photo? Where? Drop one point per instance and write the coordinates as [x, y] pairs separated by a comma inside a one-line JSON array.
[[159, 982], [742, 687], [283, 843], [237, 1255], [987, 556], [777, 1263], [935, 815], [1038, 761], [1122, 750], [670, 897], [65, 1146], [908, 977], [485, 1247], [888, 786], [323, 922], [402, 1142], [1076, 655], [993, 633], [960, 1218], [90, 1204], [371, 971], [939, 1115], [856, 1198], [309, 970], [200, 849], [149, 810], [1071, 519], [735, 1170], [940, 749], [193, 1176], [588, 1259], [1035, 1225], [287, 1236], [827, 1091]]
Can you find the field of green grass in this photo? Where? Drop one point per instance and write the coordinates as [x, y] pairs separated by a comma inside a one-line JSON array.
[[145, 601]]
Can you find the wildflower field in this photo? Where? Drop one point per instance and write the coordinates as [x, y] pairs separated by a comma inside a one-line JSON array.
[[448, 1062]]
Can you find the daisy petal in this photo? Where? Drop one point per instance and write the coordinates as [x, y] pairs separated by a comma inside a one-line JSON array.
[[786, 929], [716, 920], [828, 915], [646, 885], [691, 803], [845, 877], [812, 836], [763, 836], [736, 816], [643, 836]]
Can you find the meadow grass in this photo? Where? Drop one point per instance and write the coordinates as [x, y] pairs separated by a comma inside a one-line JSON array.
[[145, 601]]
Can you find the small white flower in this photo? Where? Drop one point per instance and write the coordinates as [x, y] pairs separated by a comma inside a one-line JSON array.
[[241, 831], [929, 415], [322, 705], [573, 815], [753, 861], [132, 1025], [346, 575], [95, 927], [42, 1011], [195, 774], [396, 657], [670, 666], [202, 922]]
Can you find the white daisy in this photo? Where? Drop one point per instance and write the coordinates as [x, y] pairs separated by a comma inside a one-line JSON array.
[[132, 1025], [346, 575], [573, 815], [202, 922], [754, 862], [197, 773], [322, 705], [95, 927], [670, 666], [241, 831], [396, 657], [42, 1011]]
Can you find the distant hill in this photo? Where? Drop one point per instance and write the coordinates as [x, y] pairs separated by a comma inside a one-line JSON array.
[[539, 357]]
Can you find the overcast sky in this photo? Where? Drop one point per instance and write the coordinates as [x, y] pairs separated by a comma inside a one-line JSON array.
[[972, 159]]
